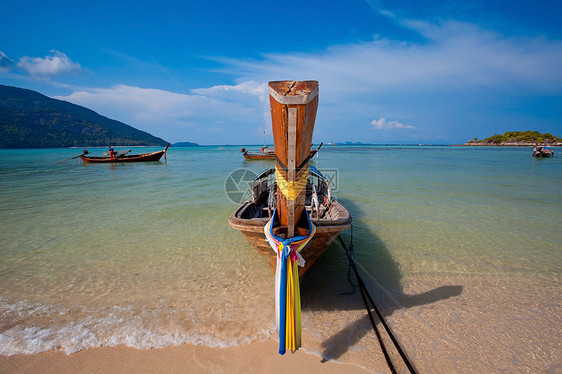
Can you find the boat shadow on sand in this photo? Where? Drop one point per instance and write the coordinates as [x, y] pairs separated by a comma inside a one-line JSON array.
[[333, 293]]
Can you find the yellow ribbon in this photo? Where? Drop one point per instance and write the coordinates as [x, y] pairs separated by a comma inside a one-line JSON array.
[[289, 188]]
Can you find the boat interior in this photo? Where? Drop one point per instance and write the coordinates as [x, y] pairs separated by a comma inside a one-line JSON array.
[[319, 203]]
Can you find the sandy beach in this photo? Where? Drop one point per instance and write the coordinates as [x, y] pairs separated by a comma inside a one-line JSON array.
[[486, 326], [252, 358]]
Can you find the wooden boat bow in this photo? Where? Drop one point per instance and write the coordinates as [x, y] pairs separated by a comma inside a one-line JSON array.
[[293, 113]]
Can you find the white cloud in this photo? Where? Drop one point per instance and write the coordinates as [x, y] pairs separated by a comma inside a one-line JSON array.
[[5, 62], [457, 75], [383, 124], [460, 73], [455, 55], [250, 87], [134, 105], [44, 67], [173, 116]]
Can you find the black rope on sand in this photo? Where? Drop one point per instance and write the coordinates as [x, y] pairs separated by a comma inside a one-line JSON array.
[[353, 286], [365, 295]]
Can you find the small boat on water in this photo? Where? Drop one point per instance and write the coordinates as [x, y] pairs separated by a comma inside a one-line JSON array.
[[124, 157], [292, 217], [264, 154], [540, 151], [268, 154]]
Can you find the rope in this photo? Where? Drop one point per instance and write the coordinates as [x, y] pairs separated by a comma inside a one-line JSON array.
[[365, 295], [353, 286]]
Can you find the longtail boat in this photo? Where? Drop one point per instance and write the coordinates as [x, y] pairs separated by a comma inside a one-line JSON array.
[[292, 217], [268, 154], [144, 157], [325, 212], [539, 151], [265, 154]]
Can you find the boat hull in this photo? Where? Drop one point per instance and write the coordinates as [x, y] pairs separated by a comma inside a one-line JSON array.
[[543, 153], [259, 156], [268, 156], [145, 157], [327, 232]]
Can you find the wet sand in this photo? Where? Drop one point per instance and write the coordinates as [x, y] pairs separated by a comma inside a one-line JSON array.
[[252, 358], [446, 324]]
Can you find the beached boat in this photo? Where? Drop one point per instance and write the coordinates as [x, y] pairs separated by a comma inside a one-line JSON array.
[[542, 152], [292, 217], [293, 110], [268, 154], [325, 212], [144, 157]]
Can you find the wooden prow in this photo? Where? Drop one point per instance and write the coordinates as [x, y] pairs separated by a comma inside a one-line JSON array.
[[165, 158], [293, 113]]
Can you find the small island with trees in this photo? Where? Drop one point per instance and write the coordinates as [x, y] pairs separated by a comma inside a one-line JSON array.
[[517, 139]]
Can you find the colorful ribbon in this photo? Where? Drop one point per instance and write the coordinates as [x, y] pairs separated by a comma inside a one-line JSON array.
[[287, 290], [289, 188]]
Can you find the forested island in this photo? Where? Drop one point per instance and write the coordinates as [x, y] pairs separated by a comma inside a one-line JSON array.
[[185, 144], [29, 119], [517, 138]]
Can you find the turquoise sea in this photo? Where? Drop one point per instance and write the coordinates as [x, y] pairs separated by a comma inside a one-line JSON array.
[[461, 246]]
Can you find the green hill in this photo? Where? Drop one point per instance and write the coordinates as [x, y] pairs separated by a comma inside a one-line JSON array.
[[516, 138], [29, 119]]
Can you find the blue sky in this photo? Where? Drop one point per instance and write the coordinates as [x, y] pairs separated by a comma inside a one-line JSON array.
[[432, 72]]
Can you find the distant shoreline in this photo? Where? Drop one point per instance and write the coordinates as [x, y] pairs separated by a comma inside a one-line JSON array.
[[508, 145], [271, 146]]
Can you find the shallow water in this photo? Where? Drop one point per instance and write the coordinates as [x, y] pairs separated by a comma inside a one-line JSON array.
[[142, 254]]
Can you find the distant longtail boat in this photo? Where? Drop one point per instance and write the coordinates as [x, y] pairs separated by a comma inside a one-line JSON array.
[[144, 157], [269, 154], [540, 151]]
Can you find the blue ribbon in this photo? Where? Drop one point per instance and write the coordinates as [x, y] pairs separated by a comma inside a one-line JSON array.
[[283, 295], [285, 253]]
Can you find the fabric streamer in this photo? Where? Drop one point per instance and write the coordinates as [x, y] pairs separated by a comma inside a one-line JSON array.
[[291, 190], [287, 290]]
